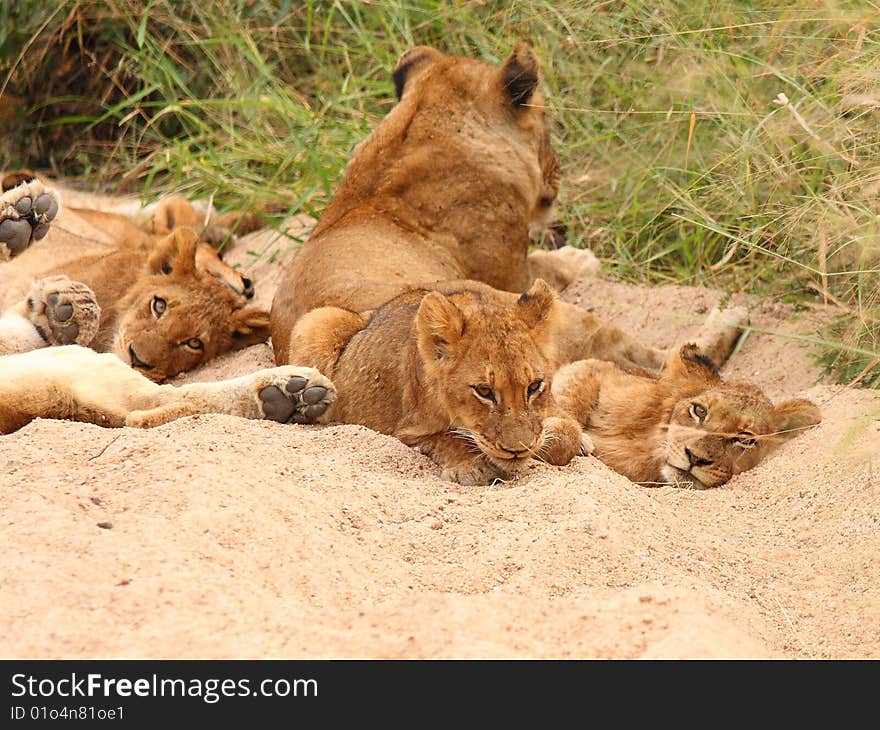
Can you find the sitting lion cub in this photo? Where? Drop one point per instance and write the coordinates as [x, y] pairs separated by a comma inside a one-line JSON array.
[[153, 292], [685, 427], [469, 383]]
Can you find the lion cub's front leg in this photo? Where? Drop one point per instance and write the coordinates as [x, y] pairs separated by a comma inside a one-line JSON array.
[[461, 460], [286, 394], [564, 440], [79, 384]]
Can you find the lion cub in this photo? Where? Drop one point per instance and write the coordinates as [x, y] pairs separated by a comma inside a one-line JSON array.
[[462, 374], [152, 291], [685, 427]]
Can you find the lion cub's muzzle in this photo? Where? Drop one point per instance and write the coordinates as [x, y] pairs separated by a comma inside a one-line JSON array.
[[690, 463], [505, 452], [510, 454]]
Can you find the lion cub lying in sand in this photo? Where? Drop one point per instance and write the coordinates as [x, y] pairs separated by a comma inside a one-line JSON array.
[[685, 427], [150, 291], [79, 384], [467, 382]]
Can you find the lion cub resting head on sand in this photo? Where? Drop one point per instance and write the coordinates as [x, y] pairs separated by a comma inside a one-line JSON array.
[[468, 382], [158, 296], [684, 427]]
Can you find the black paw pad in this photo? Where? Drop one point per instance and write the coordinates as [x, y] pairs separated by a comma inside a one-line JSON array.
[[15, 234], [23, 206], [43, 204], [313, 395], [59, 315], [277, 406], [297, 403]]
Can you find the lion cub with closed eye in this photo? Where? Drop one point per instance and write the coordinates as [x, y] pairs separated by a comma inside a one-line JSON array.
[[685, 427]]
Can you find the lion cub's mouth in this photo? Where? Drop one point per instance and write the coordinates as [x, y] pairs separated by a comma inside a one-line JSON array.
[[501, 457], [677, 477], [505, 458], [136, 362]]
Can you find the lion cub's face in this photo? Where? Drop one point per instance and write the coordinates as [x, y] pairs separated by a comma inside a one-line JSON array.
[[491, 365], [183, 310], [725, 428]]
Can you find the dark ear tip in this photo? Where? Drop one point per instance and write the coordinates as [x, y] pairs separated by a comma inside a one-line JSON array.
[[525, 56], [408, 60], [690, 353], [521, 73], [539, 289]]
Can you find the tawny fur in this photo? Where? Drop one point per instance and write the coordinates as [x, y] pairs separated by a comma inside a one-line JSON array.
[[446, 189], [127, 259], [686, 426], [76, 383], [413, 367], [439, 198]]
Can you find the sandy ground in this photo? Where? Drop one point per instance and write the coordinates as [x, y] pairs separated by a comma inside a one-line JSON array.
[[218, 537]]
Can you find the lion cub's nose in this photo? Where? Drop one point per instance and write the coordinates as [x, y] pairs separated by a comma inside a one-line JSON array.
[[696, 460]]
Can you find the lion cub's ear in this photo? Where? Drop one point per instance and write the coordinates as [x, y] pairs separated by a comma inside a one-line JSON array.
[[251, 328], [536, 305], [16, 178], [412, 63], [792, 417], [519, 74], [439, 326], [175, 254], [689, 363], [173, 212]]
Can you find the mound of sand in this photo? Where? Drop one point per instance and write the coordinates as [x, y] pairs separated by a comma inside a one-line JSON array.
[[218, 537]]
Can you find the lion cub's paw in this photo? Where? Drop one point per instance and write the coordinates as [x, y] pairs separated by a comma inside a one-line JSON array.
[[732, 318], [296, 395], [64, 312], [476, 473], [587, 445], [26, 211], [720, 332], [583, 261]]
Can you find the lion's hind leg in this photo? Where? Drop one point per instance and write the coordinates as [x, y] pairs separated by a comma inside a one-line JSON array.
[[720, 333], [561, 267], [26, 210], [213, 229], [320, 336]]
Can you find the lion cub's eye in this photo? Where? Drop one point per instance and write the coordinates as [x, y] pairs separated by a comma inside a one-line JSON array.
[[698, 412], [745, 439], [536, 387], [195, 344], [159, 306], [484, 392]]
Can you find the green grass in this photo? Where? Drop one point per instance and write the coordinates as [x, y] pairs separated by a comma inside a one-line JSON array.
[[678, 165]]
